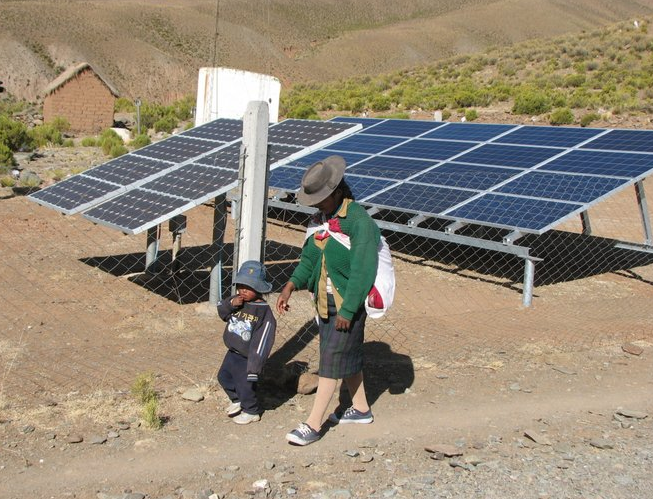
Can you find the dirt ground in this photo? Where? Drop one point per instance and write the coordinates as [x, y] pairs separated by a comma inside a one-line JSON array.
[[457, 361]]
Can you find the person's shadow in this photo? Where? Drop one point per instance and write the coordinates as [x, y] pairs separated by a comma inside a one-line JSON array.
[[384, 370]]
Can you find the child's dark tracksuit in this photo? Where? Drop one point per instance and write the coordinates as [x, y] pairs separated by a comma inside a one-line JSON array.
[[249, 336]]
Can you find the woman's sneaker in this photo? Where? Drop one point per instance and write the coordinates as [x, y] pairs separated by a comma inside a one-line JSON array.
[[303, 435], [352, 415]]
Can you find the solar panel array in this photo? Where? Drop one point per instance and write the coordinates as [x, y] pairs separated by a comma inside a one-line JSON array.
[[150, 185], [527, 178]]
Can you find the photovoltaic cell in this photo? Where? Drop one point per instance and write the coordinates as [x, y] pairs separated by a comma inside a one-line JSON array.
[[370, 144], [193, 181], [349, 157], [617, 164], [75, 193], [469, 132], [286, 178], [389, 167], [420, 198], [574, 188], [402, 128], [365, 122], [515, 212], [467, 176], [177, 149], [623, 140], [548, 136], [128, 169], [362, 187], [220, 130], [304, 133], [428, 149], [503, 155], [136, 208]]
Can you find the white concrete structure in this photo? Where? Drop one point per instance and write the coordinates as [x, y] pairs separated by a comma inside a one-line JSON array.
[[225, 93]]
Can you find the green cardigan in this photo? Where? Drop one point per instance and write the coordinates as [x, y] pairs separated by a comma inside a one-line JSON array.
[[352, 272]]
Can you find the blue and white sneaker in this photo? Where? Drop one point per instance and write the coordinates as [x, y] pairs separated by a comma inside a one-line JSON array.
[[352, 415], [303, 435]]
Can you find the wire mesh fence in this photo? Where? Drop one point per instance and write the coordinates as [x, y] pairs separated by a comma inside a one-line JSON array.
[[80, 314]]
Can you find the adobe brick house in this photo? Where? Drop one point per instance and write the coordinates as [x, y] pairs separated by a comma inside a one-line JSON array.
[[81, 96]]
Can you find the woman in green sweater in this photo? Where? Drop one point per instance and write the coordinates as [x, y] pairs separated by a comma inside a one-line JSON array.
[[338, 266]]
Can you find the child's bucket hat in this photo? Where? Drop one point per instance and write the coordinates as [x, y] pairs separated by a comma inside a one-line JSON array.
[[252, 274]]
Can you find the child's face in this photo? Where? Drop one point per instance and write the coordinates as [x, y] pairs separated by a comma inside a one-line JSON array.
[[246, 293]]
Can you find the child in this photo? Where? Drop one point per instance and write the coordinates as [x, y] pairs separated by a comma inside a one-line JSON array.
[[249, 336]]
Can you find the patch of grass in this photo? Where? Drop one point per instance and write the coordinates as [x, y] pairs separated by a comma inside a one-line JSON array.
[[143, 390]]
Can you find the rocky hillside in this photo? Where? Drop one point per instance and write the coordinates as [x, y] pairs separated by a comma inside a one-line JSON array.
[[153, 49]]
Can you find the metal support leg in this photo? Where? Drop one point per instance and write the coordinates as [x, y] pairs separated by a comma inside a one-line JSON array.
[[585, 220], [643, 209], [152, 251], [529, 275], [217, 249]]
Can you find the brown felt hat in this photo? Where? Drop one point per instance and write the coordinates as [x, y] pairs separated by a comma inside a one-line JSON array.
[[321, 179]]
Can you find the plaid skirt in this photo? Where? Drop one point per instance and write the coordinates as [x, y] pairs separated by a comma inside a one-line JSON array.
[[341, 352]]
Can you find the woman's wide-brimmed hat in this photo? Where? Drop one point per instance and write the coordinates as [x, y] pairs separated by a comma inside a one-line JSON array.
[[321, 179], [252, 274]]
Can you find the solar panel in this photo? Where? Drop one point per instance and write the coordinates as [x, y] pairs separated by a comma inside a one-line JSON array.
[[206, 176], [623, 140], [126, 172], [526, 178]]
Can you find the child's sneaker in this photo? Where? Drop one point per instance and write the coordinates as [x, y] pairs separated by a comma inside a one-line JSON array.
[[352, 415], [303, 435], [245, 418], [233, 409]]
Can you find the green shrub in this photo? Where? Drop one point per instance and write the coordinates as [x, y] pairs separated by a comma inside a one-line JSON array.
[[89, 142], [166, 124], [6, 156], [561, 116], [108, 140], [13, 134], [471, 115], [117, 150], [151, 416], [587, 119], [61, 124], [303, 111], [68, 143], [141, 140], [531, 101], [7, 181], [143, 388], [46, 134], [124, 105]]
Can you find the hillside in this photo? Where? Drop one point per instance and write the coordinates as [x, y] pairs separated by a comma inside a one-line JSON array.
[[153, 49]]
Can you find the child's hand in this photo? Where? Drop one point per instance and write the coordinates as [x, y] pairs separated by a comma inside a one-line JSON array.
[[237, 301]]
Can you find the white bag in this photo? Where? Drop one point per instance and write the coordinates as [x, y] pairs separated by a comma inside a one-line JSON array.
[[384, 283]]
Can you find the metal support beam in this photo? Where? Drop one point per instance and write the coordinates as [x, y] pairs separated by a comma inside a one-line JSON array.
[[416, 220], [152, 249], [452, 228], [643, 209], [512, 237], [529, 277], [177, 226], [373, 210], [217, 249], [585, 220]]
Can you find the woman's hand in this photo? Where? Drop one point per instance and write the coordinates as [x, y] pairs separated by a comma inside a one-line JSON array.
[[342, 324], [284, 298]]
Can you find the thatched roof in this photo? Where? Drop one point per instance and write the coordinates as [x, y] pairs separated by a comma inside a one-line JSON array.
[[73, 71]]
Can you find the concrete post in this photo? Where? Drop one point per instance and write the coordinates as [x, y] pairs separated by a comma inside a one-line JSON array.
[[254, 186]]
